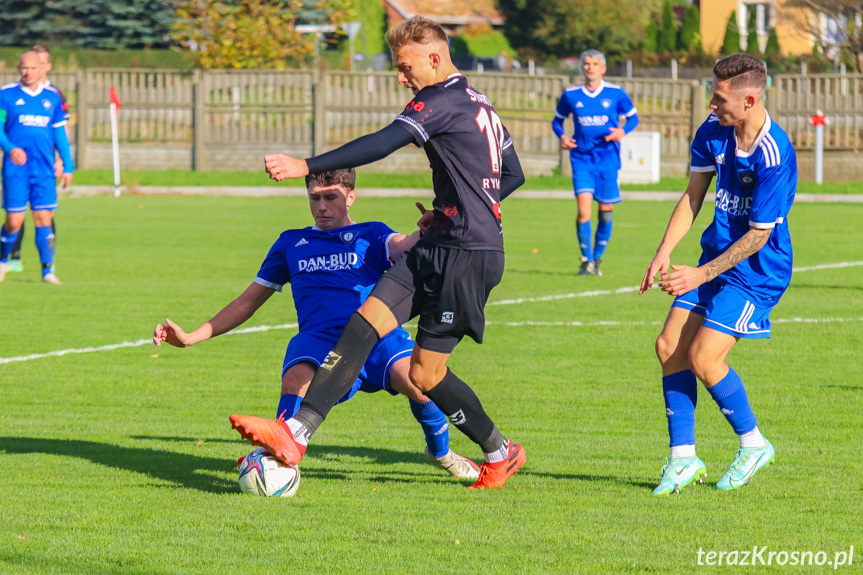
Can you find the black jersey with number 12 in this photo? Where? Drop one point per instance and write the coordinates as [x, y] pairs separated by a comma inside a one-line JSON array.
[[465, 142]]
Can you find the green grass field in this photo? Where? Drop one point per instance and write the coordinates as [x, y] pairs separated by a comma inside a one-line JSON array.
[[374, 180], [123, 461]]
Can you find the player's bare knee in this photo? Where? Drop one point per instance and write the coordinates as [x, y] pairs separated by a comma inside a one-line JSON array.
[[424, 378], [665, 347], [702, 364]]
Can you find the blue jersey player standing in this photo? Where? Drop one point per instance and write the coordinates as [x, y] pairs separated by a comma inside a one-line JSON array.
[[744, 269], [332, 266], [594, 151], [33, 123], [44, 53]]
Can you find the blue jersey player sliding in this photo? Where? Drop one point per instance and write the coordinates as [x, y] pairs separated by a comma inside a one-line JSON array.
[[594, 151], [332, 267], [33, 122], [744, 269]]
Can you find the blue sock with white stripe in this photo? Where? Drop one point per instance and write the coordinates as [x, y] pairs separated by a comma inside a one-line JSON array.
[[680, 391], [45, 245], [289, 405], [603, 233], [584, 233], [434, 425], [7, 242], [733, 402]]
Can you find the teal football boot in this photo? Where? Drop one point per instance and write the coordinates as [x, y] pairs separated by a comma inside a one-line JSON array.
[[746, 463], [679, 472]]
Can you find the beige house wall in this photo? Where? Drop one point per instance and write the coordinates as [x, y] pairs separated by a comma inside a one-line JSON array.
[[714, 18], [792, 39]]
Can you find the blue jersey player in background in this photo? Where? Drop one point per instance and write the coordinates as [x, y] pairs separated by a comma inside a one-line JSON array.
[[44, 53], [594, 151], [744, 269], [332, 267], [33, 122]]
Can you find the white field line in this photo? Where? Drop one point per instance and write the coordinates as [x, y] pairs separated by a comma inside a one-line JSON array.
[[631, 289], [142, 342], [136, 343]]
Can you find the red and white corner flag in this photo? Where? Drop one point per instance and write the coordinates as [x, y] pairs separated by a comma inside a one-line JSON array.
[[115, 144]]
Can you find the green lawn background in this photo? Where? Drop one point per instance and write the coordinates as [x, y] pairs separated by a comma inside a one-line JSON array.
[[123, 461]]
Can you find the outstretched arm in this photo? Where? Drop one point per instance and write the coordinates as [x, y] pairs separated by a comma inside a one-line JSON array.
[[363, 150], [232, 315], [681, 220]]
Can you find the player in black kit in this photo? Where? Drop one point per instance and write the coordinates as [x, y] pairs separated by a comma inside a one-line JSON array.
[[447, 277]]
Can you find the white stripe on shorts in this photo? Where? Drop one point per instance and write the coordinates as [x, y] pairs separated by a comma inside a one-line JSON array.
[[748, 310]]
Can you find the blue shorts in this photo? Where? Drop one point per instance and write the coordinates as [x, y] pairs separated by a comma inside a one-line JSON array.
[[40, 191], [605, 186], [727, 310], [375, 375]]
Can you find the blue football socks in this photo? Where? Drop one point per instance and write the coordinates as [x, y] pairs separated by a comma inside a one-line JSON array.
[[680, 391], [434, 425], [7, 242], [603, 233], [45, 245], [289, 404], [733, 402], [584, 233]]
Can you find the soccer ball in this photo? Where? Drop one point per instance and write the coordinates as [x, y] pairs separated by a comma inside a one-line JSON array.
[[261, 474]]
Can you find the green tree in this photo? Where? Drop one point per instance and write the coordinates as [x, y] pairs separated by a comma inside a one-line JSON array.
[[690, 34], [650, 35], [250, 33], [667, 29], [105, 24], [563, 28], [752, 46], [772, 51], [370, 40], [731, 41]]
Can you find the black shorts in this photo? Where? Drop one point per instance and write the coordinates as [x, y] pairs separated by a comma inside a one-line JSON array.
[[446, 287]]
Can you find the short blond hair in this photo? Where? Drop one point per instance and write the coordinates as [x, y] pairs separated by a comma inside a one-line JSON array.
[[415, 30], [40, 49]]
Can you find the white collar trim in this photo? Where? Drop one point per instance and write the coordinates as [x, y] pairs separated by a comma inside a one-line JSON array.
[[596, 92], [763, 132]]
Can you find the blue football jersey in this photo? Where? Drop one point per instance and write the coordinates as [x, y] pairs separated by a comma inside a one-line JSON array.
[[331, 272], [593, 113], [31, 116], [753, 189]]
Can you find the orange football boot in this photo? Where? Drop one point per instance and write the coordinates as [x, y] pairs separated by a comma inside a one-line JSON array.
[[492, 477], [272, 435]]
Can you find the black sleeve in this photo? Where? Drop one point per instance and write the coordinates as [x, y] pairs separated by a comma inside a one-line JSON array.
[[511, 177], [363, 150]]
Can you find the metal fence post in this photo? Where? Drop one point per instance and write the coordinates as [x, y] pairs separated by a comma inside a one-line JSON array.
[[199, 95], [81, 128]]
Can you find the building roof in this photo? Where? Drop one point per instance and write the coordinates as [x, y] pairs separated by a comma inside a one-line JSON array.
[[449, 13]]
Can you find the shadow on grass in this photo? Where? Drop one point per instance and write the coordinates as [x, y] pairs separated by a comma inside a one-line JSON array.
[[336, 469], [318, 450], [181, 469], [336, 459]]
